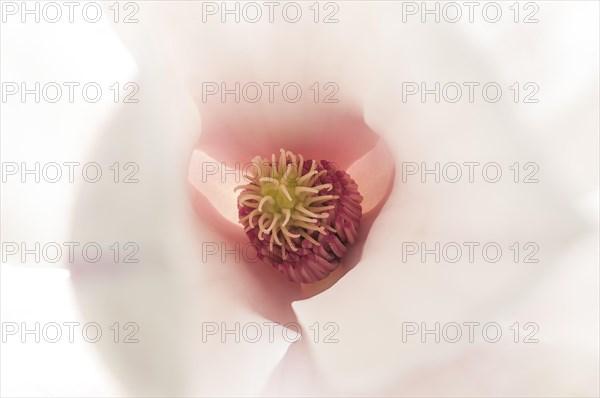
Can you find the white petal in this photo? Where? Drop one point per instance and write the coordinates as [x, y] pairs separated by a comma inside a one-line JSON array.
[[370, 304], [175, 288]]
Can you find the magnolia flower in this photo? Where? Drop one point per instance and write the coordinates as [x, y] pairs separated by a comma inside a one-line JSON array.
[[177, 294], [316, 131]]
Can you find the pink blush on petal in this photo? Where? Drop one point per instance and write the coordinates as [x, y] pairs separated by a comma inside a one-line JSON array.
[[231, 140]]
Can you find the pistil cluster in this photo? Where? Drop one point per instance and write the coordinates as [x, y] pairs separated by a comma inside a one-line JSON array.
[[300, 215]]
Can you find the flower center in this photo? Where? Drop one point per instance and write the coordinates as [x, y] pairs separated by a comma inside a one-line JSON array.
[[301, 216], [283, 195]]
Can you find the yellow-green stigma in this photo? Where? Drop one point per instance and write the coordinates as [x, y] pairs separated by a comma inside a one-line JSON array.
[[282, 197]]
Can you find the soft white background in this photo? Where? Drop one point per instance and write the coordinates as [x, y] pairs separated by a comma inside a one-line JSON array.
[[561, 133]]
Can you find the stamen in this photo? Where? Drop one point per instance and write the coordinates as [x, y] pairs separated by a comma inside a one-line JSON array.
[[277, 217], [320, 198], [300, 165], [264, 218], [283, 189], [319, 209], [293, 157], [288, 233], [310, 227], [276, 237], [287, 172], [271, 180], [301, 208], [330, 228], [309, 238], [272, 164], [288, 237], [287, 214], [299, 190], [247, 197], [306, 176], [250, 187], [263, 201], [289, 241], [249, 217], [298, 217], [329, 187]]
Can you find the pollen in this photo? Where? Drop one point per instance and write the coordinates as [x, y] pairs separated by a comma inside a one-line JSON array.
[[300, 215]]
